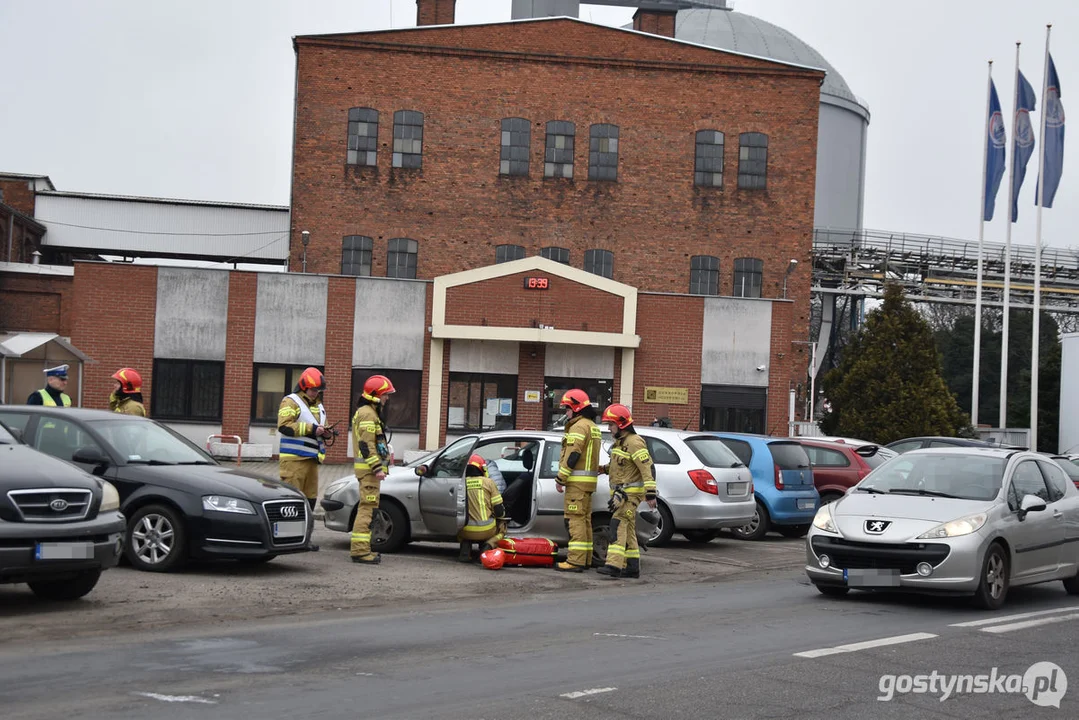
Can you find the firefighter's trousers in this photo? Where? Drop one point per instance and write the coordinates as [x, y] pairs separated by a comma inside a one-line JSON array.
[[623, 546], [578, 513], [302, 474], [489, 536], [370, 487]]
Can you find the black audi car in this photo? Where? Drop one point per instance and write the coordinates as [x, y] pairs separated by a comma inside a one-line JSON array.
[[179, 502]]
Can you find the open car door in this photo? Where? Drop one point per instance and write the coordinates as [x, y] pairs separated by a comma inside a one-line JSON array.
[[443, 500]]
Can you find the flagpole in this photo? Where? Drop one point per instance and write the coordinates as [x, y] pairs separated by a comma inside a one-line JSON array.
[[1036, 339], [1008, 258], [981, 237]]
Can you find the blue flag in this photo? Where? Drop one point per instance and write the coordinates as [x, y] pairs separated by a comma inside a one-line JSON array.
[[994, 152], [1054, 137], [1023, 142]]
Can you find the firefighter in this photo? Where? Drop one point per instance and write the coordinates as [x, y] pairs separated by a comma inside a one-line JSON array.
[[485, 510], [633, 478], [301, 422], [126, 395], [577, 472], [52, 395], [371, 453]]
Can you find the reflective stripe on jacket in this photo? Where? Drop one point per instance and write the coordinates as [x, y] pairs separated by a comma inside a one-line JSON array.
[[483, 496], [631, 465], [296, 413], [47, 401], [368, 442], [582, 437]]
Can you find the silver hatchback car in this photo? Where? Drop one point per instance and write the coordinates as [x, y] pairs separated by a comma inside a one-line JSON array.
[[968, 521]]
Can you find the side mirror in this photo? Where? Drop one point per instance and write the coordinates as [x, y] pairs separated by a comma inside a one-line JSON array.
[[89, 456], [421, 471], [1030, 503]]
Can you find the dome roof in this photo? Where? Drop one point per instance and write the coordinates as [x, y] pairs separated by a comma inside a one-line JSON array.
[[730, 30]]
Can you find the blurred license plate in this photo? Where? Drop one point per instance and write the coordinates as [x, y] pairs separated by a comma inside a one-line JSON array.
[[871, 578], [289, 529], [807, 504], [737, 488], [64, 551]]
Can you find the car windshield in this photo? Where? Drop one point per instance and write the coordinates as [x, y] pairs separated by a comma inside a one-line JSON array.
[[142, 442], [964, 476], [6, 438], [713, 452]]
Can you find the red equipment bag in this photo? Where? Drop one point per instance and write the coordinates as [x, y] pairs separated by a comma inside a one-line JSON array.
[[529, 552]]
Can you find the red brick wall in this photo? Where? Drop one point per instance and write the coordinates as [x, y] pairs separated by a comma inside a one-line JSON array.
[[425, 376], [435, 12], [36, 303], [530, 377], [671, 330], [443, 420], [657, 23], [505, 302], [19, 194], [239, 354], [114, 325], [781, 376], [340, 311]]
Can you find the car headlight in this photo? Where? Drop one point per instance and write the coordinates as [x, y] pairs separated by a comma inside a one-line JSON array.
[[220, 503], [110, 498], [337, 487], [956, 528], [823, 519]]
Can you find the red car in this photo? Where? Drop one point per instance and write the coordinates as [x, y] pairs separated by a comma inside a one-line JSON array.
[[839, 466]]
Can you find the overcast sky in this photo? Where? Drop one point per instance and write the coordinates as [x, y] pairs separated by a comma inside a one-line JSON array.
[[194, 99]]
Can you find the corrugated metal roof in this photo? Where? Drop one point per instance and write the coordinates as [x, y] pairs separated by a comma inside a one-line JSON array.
[[165, 201]]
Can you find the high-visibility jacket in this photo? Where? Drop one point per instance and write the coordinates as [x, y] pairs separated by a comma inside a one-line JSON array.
[[582, 437], [297, 414], [369, 447], [48, 401], [485, 506], [631, 466], [126, 406]]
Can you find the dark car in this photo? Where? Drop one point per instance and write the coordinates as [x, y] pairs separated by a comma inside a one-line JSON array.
[[917, 443], [839, 466], [60, 527], [179, 502]]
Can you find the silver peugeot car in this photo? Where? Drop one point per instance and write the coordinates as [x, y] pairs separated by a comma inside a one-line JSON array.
[[701, 486], [965, 520]]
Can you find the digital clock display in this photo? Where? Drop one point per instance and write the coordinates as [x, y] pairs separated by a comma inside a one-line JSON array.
[[535, 283]]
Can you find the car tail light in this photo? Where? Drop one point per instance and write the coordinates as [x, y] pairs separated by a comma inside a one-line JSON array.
[[704, 481], [779, 478]]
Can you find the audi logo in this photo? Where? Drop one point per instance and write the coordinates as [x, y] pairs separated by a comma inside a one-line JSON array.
[[59, 504], [289, 511]]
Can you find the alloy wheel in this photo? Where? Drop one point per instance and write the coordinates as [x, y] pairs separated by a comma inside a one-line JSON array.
[[152, 539]]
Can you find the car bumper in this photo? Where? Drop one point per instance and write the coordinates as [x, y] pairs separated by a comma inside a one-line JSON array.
[[101, 541], [958, 572], [792, 507], [233, 536], [336, 515], [710, 513]]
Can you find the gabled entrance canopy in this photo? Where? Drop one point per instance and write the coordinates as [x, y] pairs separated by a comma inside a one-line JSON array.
[[20, 351]]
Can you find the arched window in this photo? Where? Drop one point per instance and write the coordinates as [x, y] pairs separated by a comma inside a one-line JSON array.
[[708, 166], [408, 139], [401, 258], [704, 275], [506, 253], [603, 152], [748, 273], [556, 253], [516, 139], [558, 154], [356, 255], [599, 262], [362, 136], [752, 161]]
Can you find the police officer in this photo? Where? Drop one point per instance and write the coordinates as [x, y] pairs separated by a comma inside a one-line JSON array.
[[52, 395], [371, 453], [301, 421], [486, 510], [126, 395], [632, 477], [577, 472]]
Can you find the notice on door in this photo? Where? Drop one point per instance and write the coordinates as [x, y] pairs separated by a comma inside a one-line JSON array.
[[666, 395]]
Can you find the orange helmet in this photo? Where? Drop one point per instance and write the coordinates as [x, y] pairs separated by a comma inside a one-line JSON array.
[[619, 415], [312, 379], [575, 400], [130, 381], [479, 463], [493, 559], [377, 386]]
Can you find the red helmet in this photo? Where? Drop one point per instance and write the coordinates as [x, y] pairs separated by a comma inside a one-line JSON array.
[[575, 400], [312, 379], [377, 386], [619, 415], [130, 381], [493, 559], [477, 461]]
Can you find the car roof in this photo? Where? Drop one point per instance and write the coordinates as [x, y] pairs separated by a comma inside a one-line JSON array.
[[508, 434], [833, 443], [672, 432], [998, 452], [83, 414], [767, 439]]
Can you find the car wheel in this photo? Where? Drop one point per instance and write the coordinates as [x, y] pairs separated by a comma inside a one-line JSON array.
[[665, 530], [601, 538], [833, 590], [389, 528], [1072, 585], [156, 539], [757, 528], [829, 498], [993, 587], [72, 589], [700, 536], [793, 531]]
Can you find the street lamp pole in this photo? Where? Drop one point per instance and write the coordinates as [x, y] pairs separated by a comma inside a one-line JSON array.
[[305, 237]]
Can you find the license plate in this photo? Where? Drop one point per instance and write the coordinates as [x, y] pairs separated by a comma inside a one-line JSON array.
[[289, 529], [64, 551], [807, 504], [871, 578], [737, 488]]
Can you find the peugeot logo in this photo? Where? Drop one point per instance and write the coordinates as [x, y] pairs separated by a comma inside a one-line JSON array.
[[876, 527], [290, 511], [59, 504]]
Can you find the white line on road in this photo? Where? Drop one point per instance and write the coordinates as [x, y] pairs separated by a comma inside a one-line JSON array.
[[637, 637], [853, 647], [1021, 616], [584, 693], [177, 698], [1030, 623]]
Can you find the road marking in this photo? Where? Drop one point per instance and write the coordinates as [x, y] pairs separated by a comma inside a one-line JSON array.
[[636, 637], [1021, 616], [177, 698], [853, 647], [1030, 623], [584, 693]]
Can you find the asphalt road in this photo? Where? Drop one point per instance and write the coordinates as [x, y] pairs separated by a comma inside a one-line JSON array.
[[770, 647]]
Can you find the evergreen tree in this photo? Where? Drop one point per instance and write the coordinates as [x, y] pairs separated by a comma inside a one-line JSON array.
[[889, 385]]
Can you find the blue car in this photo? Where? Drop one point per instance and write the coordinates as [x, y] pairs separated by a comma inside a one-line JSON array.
[[782, 484]]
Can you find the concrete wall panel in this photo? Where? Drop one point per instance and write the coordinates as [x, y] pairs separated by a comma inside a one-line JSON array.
[[737, 340], [290, 320], [484, 356], [389, 325], [579, 361], [192, 314]]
